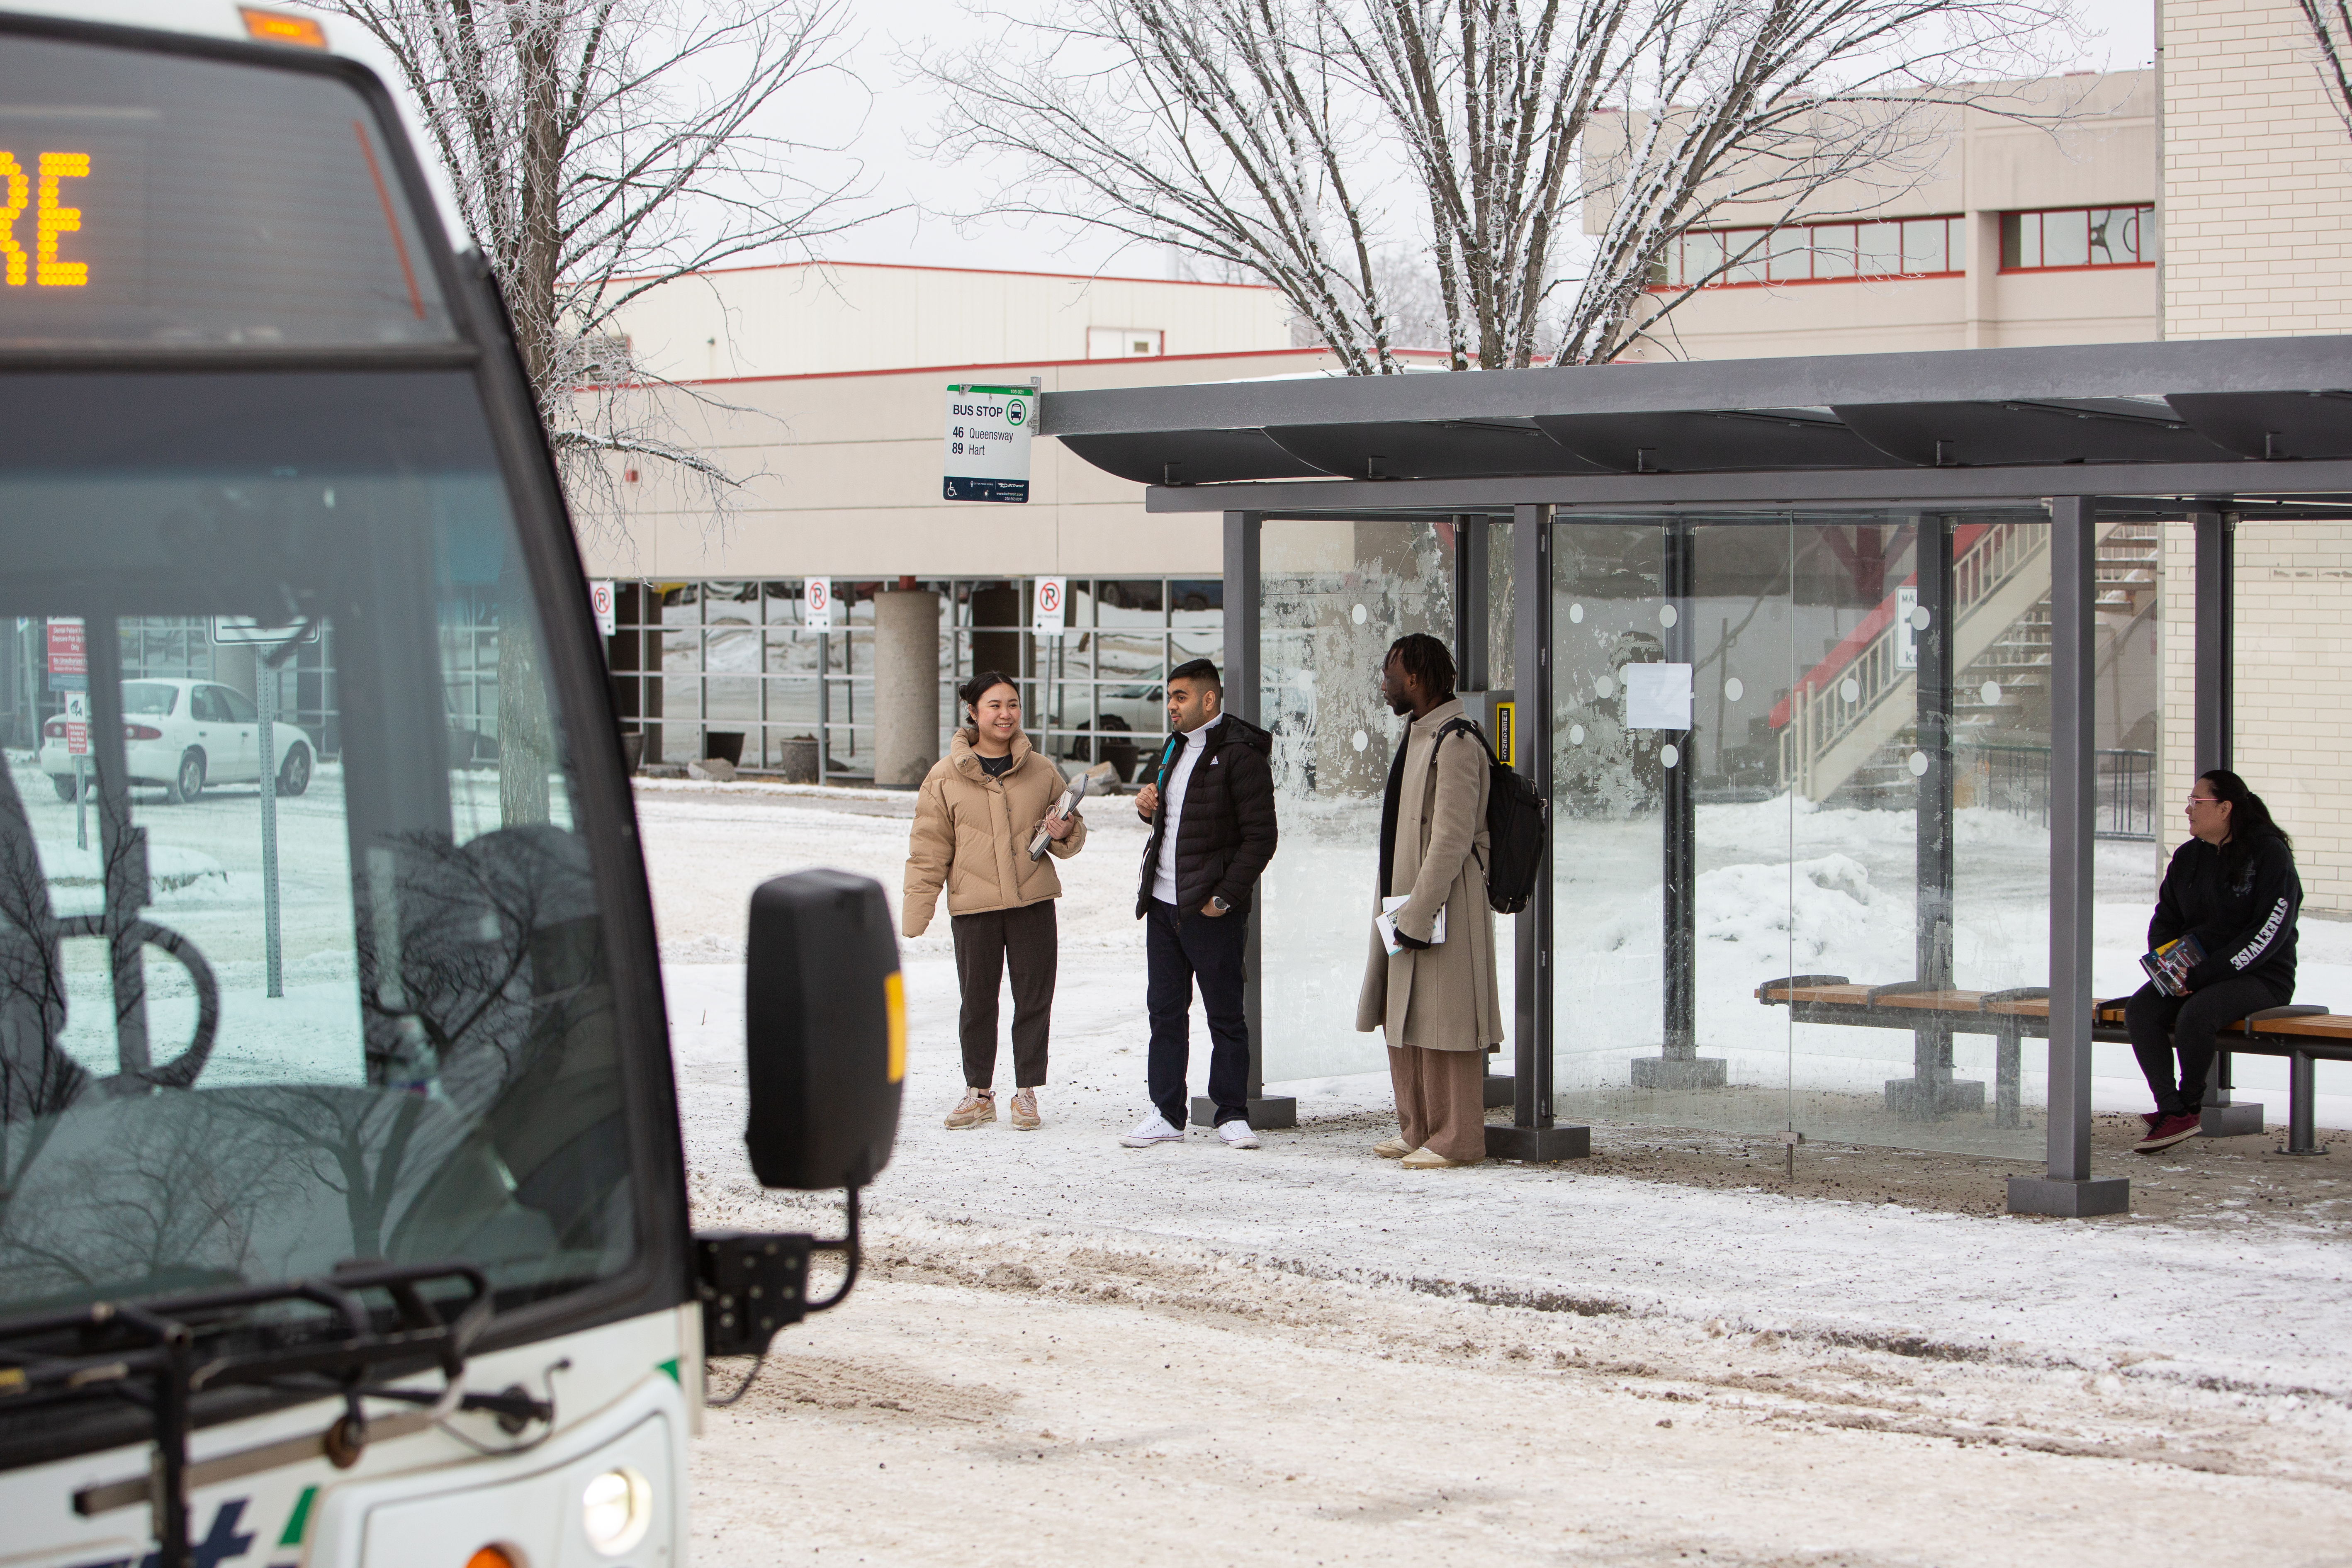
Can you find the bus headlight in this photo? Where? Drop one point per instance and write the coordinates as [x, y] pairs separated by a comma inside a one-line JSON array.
[[616, 1509]]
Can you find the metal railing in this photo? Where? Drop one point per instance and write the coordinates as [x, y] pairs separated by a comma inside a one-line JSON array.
[[1819, 713], [2016, 780]]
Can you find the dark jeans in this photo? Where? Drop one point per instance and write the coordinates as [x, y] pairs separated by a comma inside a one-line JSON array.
[[984, 944], [1183, 951], [2162, 1025]]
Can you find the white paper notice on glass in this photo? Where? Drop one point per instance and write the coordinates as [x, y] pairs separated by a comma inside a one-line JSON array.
[[1385, 923], [1657, 697]]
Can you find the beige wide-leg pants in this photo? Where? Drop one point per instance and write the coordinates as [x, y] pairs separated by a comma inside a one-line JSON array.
[[1441, 1100]]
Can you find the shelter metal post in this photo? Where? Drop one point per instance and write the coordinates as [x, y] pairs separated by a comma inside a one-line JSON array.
[[2220, 1115], [1471, 604], [1930, 1092], [2070, 1189], [1677, 1064], [1244, 663], [1531, 1134]]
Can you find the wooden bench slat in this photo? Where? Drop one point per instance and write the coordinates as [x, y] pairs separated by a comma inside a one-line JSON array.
[[2317, 1026]]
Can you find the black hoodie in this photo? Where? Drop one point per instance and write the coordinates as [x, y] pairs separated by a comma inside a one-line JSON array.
[[1225, 833], [2240, 901]]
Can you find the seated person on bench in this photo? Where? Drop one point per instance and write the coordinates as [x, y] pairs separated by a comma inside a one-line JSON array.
[[2233, 886]]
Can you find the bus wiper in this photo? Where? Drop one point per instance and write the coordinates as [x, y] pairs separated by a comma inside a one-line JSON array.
[[176, 1348]]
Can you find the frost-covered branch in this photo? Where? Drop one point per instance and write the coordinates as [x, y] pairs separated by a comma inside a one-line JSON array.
[[597, 148], [2330, 22], [1312, 143]]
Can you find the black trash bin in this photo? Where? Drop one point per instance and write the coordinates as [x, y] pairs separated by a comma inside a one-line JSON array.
[[727, 745]]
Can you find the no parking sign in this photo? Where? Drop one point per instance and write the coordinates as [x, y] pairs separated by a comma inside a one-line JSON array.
[[1051, 613], [816, 604]]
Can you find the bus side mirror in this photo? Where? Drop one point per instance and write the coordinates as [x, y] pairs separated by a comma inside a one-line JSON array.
[[824, 1020]]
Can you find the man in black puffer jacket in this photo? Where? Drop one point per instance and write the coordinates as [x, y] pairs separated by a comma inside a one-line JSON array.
[[1210, 802]]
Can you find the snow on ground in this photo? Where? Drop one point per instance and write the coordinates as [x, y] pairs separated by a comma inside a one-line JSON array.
[[2178, 1305]]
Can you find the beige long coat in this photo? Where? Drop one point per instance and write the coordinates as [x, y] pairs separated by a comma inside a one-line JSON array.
[[1443, 998], [971, 836]]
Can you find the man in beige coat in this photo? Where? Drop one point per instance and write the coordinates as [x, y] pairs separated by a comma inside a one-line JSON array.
[[1436, 1002]]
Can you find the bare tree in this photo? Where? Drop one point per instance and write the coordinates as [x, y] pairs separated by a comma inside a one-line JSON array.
[[2331, 34], [1304, 140], [598, 148]]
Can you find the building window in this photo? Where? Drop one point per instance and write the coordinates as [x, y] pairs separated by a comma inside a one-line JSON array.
[[1815, 253], [2077, 236], [1122, 342]]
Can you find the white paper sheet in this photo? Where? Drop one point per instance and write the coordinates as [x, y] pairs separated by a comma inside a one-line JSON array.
[[1657, 697]]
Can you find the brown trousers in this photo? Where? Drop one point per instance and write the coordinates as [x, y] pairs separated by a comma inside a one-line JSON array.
[[1441, 1100], [985, 946]]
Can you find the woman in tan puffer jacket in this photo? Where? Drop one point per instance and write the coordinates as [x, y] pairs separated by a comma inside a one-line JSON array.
[[979, 808]]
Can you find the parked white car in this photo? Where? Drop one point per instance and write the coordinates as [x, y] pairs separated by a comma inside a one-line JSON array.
[[184, 735]]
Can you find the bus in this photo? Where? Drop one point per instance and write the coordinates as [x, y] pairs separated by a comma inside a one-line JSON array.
[[342, 1214]]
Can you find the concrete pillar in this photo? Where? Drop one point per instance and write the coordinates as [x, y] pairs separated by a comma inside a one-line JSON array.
[[905, 685]]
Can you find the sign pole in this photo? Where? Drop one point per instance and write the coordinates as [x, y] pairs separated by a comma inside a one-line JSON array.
[[81, 807], [266, 690]]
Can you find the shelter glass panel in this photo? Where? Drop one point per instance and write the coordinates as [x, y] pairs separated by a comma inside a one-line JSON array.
[[2293, 655], [1335, 594], [1763, 770]]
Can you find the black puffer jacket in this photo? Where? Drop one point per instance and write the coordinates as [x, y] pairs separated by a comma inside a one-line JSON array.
[[2240, 901], [1226, 832]]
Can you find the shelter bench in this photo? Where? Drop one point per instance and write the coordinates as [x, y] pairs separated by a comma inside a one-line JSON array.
[[2303, 1032]]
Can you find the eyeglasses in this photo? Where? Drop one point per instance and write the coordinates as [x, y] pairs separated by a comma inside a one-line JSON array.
[[2205, 800]]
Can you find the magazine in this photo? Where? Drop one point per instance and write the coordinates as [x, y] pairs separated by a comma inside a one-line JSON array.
[[2169, 966], [1385, 923]]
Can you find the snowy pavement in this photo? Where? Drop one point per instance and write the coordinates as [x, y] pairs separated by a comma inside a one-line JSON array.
[[2264, 1308]]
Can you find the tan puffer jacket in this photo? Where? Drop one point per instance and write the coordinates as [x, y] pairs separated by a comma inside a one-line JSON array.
[[972, 835]]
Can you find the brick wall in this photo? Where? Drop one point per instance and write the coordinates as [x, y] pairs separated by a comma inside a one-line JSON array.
[[2257, 176], [2294, 730]]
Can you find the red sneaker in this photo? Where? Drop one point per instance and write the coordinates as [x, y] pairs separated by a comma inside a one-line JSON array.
[[2169, 1130]]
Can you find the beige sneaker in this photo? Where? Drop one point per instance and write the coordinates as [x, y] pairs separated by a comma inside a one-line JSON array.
[[1430, 1160], [1025, 1112], [977, 1106], [1393, 1148]]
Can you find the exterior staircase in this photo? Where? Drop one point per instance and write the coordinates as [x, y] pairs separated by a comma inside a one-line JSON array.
[[1838, 726]]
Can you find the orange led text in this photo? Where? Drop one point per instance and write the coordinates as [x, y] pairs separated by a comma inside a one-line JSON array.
[[50, 219]]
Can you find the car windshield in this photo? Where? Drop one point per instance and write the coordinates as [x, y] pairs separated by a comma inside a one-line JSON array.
[[147, 698], [389, 1033]]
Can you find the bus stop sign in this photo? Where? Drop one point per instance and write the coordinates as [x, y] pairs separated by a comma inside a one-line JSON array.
[[988, 442]]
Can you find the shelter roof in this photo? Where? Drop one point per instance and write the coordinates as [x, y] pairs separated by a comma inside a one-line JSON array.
[[2271, 414]]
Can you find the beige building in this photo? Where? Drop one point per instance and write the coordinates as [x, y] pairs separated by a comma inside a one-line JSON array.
[[824, 389], [2034, 228], [2256, 197], [2257, 187], [831, 317]]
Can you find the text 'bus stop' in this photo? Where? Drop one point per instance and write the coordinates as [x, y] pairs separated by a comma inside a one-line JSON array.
[[1850, 681]]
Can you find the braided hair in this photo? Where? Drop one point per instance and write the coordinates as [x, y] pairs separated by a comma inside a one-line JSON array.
[[1424, 659]]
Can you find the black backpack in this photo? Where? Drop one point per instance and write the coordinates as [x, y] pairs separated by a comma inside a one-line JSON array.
[[1515, 820]]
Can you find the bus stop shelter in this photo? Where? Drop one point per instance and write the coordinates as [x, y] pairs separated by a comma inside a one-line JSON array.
[[1856, 684]]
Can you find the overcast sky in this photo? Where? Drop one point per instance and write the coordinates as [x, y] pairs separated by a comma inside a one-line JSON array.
[[889, 114]]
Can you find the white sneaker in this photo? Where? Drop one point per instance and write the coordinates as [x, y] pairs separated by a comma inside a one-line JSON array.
[[1151, 1130], [1237, 1134]]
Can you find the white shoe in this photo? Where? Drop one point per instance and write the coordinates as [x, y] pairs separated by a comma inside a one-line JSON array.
[[1237, 1134], [1150, 1131]]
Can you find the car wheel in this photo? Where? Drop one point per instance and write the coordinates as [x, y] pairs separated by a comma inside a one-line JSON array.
[[294, 772], [190, 780], [65, 785]]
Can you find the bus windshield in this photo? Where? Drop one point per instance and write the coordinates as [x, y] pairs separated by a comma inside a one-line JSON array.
[[384, 1028]]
